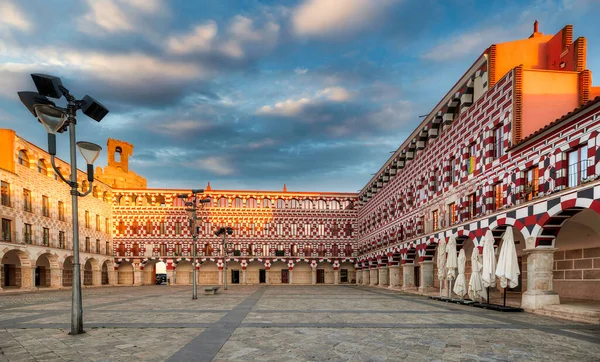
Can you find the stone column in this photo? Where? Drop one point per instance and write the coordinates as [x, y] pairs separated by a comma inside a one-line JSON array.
[[540, 263], [383, 276], [366, 276], [220, 276], [96, 277], [426, 276], [314, 276], [1, 276], [394, 276], [374, 277], [138, 276], [170, 276], [27, 278], [359, 275], [409, 276], [243, 276], [336, 276], [290, 273], [55, 277]]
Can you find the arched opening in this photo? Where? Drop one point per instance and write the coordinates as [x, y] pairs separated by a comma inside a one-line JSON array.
[[125, 273], [67, 274], [42, 167], [513, 295], [234, 272], [118, 152], [302, 273], [251, 203], [88, 271], [255, 273], [325, 273], [279, 273], [23, 158], [43, 265], [104, 277], [155, 272], [347, 273], [266, 203], [576, 262], [209, 273], [183, 273], [15, 263]]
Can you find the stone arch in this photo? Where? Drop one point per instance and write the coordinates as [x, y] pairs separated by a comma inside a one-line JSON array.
[[17, 269], [325, 273], [67, 273], [275, 271], [125, 273], [501, 223], [107, 268], [44, 266], [183, 273], [302, 273], [90, 267], [253, 271], [208, 273], [232, 267], [549, 224]]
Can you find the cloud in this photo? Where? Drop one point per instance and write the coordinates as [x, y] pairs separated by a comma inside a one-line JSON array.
[[216, 164], [293, 107], [200, 39], [324, 18], [337, 94], [12, 16], [468, 43], [301, 70], [113, 16], [182, 127]]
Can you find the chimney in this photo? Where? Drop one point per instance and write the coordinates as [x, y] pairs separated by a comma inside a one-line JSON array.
[[536, 28]]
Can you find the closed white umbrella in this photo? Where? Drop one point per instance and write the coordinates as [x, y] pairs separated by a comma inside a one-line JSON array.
[[488, 270], [451, 261], [508, 263], [475, 286], [460, 287], [441, 263]]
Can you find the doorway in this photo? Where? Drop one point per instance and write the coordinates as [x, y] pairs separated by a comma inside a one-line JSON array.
[[320, 276], [235, 277], [417, 276], [285, 276], [344, 276], [37, 276], [262, 276]]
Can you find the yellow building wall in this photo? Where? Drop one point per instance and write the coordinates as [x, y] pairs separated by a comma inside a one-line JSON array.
[[7, 147]]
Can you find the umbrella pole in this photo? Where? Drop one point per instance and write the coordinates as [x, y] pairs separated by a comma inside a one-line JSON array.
[[505, 297], [440, 288], [450, 290], [488, 295]]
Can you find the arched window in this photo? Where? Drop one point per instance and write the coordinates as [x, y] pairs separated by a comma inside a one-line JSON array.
[[266, 203], [42, 168], [334, 205], [106, 196], [223, 202], [251, 202], [280, 203], [23, 159], [84, 186], [238, 202], [321, 205], [95, 192], [118, 152], [294, 204], [307, 204]]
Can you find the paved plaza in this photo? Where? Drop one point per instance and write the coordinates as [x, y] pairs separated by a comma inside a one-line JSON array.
[[280, 323]]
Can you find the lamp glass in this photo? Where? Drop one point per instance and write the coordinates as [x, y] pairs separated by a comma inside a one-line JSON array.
[[52, 118], [90, 151]]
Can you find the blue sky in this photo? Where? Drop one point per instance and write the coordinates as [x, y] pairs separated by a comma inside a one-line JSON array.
[[253, 94]]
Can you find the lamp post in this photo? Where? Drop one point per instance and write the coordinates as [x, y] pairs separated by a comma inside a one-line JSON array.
[[58, 119], [224, 232], [193, 208]]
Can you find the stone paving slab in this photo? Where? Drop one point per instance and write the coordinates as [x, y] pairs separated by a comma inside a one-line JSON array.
[[95, 316]]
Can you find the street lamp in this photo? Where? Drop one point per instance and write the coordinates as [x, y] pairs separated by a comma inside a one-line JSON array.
[[224, 232], [191, 211], [57, 119]]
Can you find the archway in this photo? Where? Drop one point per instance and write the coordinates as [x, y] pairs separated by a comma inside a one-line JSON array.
[[278, 273], [43, 266], [302, 273], [234, 272], [183, 273], [125, 273], [89, 267], [67, 274], [105, 268], [411, 269], [209, 273], [254, 271], [576, 263], [325, 273], [155, 272], [17, 270], [347, 273]]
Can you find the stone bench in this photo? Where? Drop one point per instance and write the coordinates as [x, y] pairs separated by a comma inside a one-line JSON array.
[[211, 290]]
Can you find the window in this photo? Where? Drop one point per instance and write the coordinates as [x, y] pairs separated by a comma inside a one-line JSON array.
[[149, 227], [87, 219], [5, 193], [41, 166], [97, 222], [46, 236], [178, 228], [26, 200], [163, 230], [266, 203], [121, 227], [531, 183], [97, 246], [23, 159], [472, 161], [238, 202], [61, 211], [106, 226], [45, 206], [306, 229], [472, 205], [280, 203], [6, 230], [434, 219], [294, 229], [61, 239], [279, 229], [321, 229], [452, 214], [251, 202], [498, 141], [27, 237], [578, 163], [434, 183], [294, 204], [107, 246], [88, 245], [498, 196], [223, 202], [134, 227], [453, 170]]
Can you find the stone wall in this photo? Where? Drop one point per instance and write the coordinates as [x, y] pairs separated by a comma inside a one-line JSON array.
[[577, 273]]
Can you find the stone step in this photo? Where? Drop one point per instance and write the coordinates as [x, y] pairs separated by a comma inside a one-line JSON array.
[[576, 313]]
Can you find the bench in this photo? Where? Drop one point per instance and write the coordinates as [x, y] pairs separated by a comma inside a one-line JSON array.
[[211, 290]]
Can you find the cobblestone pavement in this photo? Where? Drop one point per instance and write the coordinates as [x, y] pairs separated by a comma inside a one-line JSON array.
[[277, 323]]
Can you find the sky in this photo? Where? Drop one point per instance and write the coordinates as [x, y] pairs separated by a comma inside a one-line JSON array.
[[255, 94]]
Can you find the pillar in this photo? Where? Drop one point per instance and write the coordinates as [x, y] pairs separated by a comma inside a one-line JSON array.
[[383, 276], [1, 276], [96, 277], [170, 276], [374, 277], [27, 277], [267, 281], [366, 276], [290, 274], [408, 282], [426, 276], [55, 277], [243, 276], [395, 281], [336, 276], [359, 277], [138, 276], [314, 276], [221, 276], [540, 262]]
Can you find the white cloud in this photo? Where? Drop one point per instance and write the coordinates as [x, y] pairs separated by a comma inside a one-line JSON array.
[[112, 16], [300, 70], [200, 39], [468, 43], [180, 128], [12, 16], [292, 107], [217, 165], [321, 18]]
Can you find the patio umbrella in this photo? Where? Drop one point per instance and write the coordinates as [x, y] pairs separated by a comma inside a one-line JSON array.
[[475, 286], [441, 262], [460, 287], [508, 265], [488, 277], [451, 262]]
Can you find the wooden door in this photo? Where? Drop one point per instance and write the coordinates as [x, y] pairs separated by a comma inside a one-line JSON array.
[[284, 276], [320, 276]]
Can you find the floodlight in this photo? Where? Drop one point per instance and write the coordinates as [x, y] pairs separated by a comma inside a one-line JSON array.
[[204, 201], [30, 99], [53, 118], [93, 109], [229, 230], [48, 85], [182, 196], [197, 191]]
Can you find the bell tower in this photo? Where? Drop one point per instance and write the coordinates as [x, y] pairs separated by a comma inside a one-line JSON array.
[[118, 154], [117, 173]]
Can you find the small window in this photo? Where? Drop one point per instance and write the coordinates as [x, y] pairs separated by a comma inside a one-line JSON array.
[[61, 211], [178, 228], [472, 205], [27, 236], [6, 230], [294, 204], [97, 246], [280, 203], [266, 203], [434, 219], [499, 141], [238, 202], [97, 222], [498, 196], [106, 226], [107, 250], [223, 202], [61, 239], [454, 170], [46, 236], [251, 202], [88, 244], [452, 217], [578, 163], [87, 219], [27, 200], [23, 159], [472, 160], [45, 206], [121, 227], [5, 193], [531, 188], [149, 227]]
